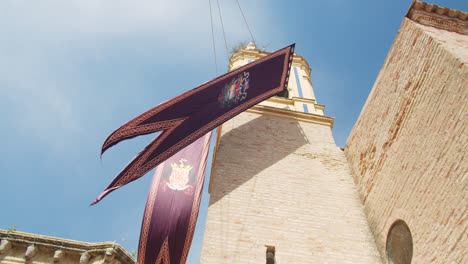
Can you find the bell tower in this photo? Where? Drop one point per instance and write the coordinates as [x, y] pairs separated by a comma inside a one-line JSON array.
[[281, 190]]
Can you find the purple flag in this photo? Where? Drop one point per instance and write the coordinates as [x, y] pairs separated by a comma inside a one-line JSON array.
[[172, 206], [194, 113]]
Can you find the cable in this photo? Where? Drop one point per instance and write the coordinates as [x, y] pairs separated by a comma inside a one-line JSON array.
[[224, 34], [245, 20], [212, 36]]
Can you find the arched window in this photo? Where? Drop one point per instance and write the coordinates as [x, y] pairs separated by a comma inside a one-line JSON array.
[[399, 246]]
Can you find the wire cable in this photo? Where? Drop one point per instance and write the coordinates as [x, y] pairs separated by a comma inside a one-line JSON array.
[[222, 26], [245, 20], [212, 36]]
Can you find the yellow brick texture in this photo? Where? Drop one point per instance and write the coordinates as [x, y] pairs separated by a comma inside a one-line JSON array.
[[408, 149], [283, 183]]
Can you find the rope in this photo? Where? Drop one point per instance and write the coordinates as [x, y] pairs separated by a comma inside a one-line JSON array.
[[224, 34], [245, 20], [212, 36]]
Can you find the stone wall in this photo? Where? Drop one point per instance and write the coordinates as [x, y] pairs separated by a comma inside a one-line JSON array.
[[408, 149], [19, 247], [283, 183]]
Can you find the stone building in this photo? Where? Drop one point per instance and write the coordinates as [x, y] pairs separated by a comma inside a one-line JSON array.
[[281, 190], [18, 247]]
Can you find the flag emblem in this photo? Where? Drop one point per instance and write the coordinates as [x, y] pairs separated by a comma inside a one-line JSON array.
[[234, 91], [179, 176]]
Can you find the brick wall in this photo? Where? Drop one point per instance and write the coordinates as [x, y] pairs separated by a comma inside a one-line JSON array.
[[408, 149], [283, 183]]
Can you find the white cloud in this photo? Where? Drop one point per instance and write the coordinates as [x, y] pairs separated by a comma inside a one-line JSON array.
[[88, 16], [184, 18], [39, 38]]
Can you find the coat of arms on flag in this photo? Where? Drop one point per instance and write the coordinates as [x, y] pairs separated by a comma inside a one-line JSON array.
[[180, 176], [235, 91], [172, 206]]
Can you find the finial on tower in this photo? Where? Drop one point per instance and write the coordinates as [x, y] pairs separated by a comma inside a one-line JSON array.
[[251, 46]]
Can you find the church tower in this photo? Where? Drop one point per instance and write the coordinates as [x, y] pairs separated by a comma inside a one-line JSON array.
[[281, 190]]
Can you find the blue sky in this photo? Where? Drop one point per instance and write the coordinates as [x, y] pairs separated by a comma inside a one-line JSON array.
[[73, 71]]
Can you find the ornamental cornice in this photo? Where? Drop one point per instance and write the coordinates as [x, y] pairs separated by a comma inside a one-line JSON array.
[[438, 17], [34, 244], [309, 101], [281, 100], [254, 54], [304, 100], [290, 114]]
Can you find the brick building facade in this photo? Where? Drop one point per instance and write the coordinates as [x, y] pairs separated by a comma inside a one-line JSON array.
[[408, 150], [398, 193]]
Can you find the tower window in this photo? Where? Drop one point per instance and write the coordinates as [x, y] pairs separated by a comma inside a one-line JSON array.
[[270, 254], [284, 93]]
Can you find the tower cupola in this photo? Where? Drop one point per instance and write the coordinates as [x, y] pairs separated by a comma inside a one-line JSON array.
[[299, 96]]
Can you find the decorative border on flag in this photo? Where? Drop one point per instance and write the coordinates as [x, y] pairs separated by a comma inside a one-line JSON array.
[[163, 255], [148, 213], [136, 130], [196, 200], [133, 169]]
